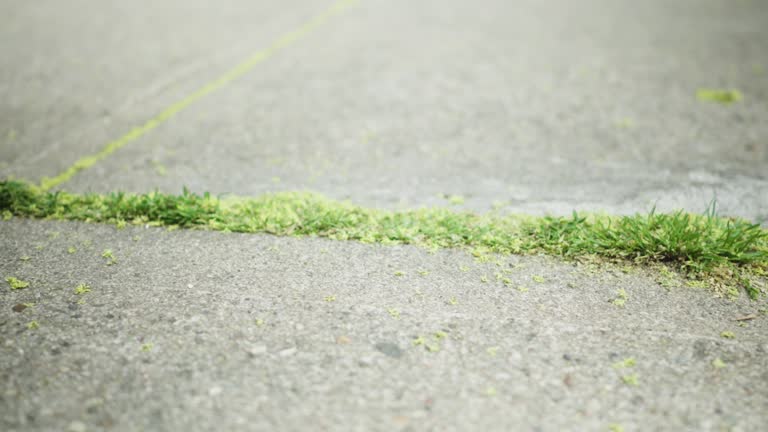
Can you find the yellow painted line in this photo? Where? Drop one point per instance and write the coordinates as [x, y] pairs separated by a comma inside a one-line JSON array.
[[231, 75]]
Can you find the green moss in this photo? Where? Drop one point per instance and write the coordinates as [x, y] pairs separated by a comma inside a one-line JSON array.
[[33, 325], [160, 169], [728, 335], [667, 278], [717, 363], [722, 96], [16, 284], [454, 199], [621, 298], [626, 363], [538, 279], [630, 380], [690, 243], [329, 298]]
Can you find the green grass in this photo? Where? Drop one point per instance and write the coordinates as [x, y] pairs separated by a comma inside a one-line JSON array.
[[700, 245]]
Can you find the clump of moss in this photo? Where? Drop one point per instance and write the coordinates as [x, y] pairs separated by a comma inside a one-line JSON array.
[[723, 96], [15, 283], [621, 298], [631, 380]]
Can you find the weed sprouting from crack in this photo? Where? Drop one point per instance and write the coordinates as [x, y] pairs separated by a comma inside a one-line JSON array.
[[82, 289], [110, 257]]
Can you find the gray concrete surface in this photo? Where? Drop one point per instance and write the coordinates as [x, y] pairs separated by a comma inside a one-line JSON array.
[[541, 105], [240, 335]]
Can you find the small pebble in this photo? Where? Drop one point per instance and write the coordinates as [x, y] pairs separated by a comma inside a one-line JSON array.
[[76, 426], [256, 350]]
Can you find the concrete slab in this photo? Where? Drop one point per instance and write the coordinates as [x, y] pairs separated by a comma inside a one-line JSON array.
[[200, 330], [539, 105], [78, 75]]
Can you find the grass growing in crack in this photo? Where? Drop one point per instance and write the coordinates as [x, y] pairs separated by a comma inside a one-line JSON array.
[[727, 250]]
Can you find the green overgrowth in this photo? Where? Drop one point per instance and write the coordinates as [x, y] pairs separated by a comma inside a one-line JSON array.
[[723, 96], [725, 250], [15, 283]]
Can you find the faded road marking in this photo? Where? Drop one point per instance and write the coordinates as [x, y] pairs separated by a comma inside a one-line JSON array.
[[234, 73]]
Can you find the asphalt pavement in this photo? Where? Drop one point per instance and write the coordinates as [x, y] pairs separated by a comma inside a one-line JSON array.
[[535, 106]]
